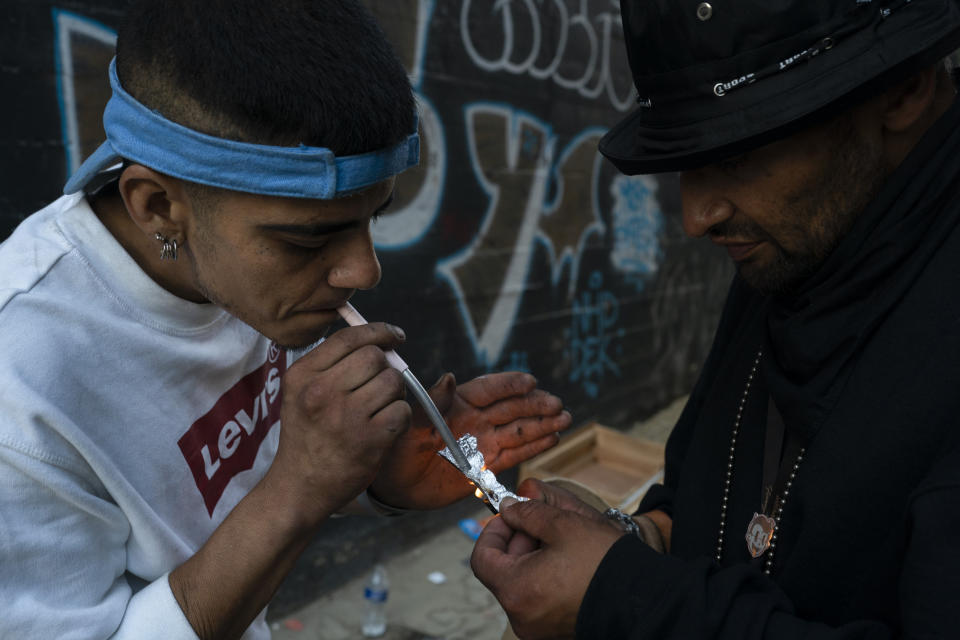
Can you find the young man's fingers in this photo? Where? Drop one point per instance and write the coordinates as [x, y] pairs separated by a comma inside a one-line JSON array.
[[379, 391], [350, 374], [485, 390], [350, 339], [513, 456], [536, 404], [523, 430], [392, 420], [359, 368]]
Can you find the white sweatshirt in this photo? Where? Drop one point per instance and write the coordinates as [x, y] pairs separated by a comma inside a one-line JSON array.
[[131, 423]]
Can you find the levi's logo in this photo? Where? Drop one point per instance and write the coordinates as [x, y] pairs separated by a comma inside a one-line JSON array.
[[225, 441]]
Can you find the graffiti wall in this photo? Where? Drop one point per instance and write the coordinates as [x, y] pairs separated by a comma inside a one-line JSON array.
[[513, 245]]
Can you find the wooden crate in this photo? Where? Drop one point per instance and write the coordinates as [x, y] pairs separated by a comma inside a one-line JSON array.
[[617, 467]]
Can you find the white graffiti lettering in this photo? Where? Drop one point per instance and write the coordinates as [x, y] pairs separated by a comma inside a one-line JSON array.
[[406, 225], [555, 53], [523, 146], [68, 25]]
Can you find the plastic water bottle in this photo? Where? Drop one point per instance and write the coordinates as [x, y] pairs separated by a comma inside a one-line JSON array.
[[375, 593]]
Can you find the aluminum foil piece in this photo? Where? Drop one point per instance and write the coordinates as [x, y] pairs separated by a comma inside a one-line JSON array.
[[486, 481]]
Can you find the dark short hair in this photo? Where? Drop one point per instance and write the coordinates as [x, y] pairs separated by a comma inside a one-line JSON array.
[[280, 72]]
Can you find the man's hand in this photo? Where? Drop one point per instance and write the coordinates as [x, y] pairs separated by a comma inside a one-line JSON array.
[[538, 558], [511, 419], [554, 496], [342, 410]]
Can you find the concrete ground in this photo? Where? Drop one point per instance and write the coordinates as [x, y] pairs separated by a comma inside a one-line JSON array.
[[452, 605], [457, 607]]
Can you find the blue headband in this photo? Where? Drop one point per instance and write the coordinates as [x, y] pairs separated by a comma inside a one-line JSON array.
[[141, 135]]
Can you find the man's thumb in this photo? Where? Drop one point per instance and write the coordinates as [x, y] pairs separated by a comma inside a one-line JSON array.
[[533, 517]]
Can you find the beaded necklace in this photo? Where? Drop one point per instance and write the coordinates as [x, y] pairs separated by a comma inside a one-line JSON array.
[[769, 544]]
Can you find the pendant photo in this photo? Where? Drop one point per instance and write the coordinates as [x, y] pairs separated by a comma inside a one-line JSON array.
[[759, 534]]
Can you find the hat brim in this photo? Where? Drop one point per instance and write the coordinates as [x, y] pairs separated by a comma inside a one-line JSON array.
[[779, 104]]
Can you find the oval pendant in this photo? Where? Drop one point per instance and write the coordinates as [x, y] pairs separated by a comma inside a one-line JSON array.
[[759, 534]]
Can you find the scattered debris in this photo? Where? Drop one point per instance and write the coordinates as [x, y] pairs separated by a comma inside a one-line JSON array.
[[293, 624], [471, 527]]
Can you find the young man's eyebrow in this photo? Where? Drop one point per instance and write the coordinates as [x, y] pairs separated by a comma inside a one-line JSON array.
[[318, 229], [322, 228]]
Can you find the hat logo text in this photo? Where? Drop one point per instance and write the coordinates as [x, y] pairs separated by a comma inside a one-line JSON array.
[[721, 88]]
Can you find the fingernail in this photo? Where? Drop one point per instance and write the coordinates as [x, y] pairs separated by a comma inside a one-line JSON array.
[[506, 502], [398, 332]]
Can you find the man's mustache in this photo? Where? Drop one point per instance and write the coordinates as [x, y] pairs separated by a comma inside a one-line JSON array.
[[739, 230]]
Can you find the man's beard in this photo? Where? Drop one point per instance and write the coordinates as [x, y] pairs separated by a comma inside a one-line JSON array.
[[822, 214]]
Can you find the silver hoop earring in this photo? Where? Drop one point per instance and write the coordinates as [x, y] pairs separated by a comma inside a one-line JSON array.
[[169, 249]]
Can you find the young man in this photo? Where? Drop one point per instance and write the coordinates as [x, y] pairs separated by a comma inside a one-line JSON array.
[[147, 489], [813, 481]]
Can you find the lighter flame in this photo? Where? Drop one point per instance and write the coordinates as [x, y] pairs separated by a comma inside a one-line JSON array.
[[478, 493]]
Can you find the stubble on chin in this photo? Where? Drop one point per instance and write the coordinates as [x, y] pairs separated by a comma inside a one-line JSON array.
[[301, 344], [821, 216]]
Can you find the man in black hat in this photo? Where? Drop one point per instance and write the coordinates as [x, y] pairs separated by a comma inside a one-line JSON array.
[[813, 481]]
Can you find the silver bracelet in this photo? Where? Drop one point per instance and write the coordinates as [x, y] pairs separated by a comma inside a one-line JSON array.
[[628, 523]]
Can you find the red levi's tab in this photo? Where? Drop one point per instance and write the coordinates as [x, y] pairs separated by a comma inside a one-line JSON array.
[[225, 441]]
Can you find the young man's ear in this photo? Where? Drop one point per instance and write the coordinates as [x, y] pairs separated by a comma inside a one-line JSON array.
[[157, 203]]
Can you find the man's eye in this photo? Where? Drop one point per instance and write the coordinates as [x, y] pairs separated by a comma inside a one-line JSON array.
[[732, 164], [735, 165], [303, 245]]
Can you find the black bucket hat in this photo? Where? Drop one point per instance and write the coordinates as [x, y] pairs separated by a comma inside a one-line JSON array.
[[716, 78]]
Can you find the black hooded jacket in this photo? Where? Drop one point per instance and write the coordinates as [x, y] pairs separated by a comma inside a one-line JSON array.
[[864, 366]]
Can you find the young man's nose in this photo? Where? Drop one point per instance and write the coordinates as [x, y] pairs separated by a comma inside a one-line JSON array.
[[357, 266], [703, 201]]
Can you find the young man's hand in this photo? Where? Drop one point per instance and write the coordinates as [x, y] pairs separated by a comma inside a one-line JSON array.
[[511, 419], [343, 409]]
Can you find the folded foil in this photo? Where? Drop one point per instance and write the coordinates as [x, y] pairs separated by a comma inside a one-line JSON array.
[[486, 481]]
